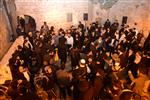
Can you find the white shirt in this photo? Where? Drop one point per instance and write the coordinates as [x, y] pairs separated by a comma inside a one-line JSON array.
[[26, 75], [122, 38], [70, 40]]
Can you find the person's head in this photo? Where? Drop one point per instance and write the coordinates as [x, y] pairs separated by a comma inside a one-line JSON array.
[[108, 29], [48, 69], [96, 29], [99, 39], [140, 72], [69, 31], [21, 69], [30, 34], [56, 49], [129, 95], [45, 23], [19, 47], [45, 62], [82, 63], [52, 28], [69, 35], [130, 52], [135, 23], [116, 21], [93, 33], [143, 67], [107, 20], [17, 58], [125, 96], [90, 59], [22, 89], [41, 37], [26, 39]]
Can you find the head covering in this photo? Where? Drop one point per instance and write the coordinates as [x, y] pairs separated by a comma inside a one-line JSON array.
[[82, 63], [46, 68], [116, 57]]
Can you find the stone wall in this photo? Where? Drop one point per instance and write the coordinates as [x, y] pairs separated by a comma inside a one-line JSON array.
[[54, 12], [136, 11], [7, 25]]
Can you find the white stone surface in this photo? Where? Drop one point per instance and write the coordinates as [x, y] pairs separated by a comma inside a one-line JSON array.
[[6, 29], [136, 10], [54, 12]]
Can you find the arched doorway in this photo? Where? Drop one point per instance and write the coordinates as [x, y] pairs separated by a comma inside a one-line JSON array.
[[27, 23]]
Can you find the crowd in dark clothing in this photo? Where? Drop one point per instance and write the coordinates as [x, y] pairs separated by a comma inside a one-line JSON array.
[[104, 61]]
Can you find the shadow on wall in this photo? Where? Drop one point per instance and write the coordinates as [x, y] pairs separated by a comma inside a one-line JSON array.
[[27, 23]]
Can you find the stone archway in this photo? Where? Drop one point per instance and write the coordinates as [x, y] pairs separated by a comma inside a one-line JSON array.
[[27, 23]]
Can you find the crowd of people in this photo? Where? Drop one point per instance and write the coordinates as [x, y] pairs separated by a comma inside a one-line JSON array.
[[81, 63]]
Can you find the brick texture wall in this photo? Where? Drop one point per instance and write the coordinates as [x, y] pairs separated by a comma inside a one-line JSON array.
[[136, 10], [7, 25], [54, 12]]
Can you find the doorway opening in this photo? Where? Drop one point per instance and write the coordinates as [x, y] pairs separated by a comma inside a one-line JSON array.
[[27, 23]]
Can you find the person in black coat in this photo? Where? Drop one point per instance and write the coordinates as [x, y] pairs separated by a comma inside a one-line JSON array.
[[49, 87], [63, 79], [81, 26], [147, 44], [62, 40], [75, 57], [62, 53], [18, 30], [107, 24], [24, 94], [82, 88]]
